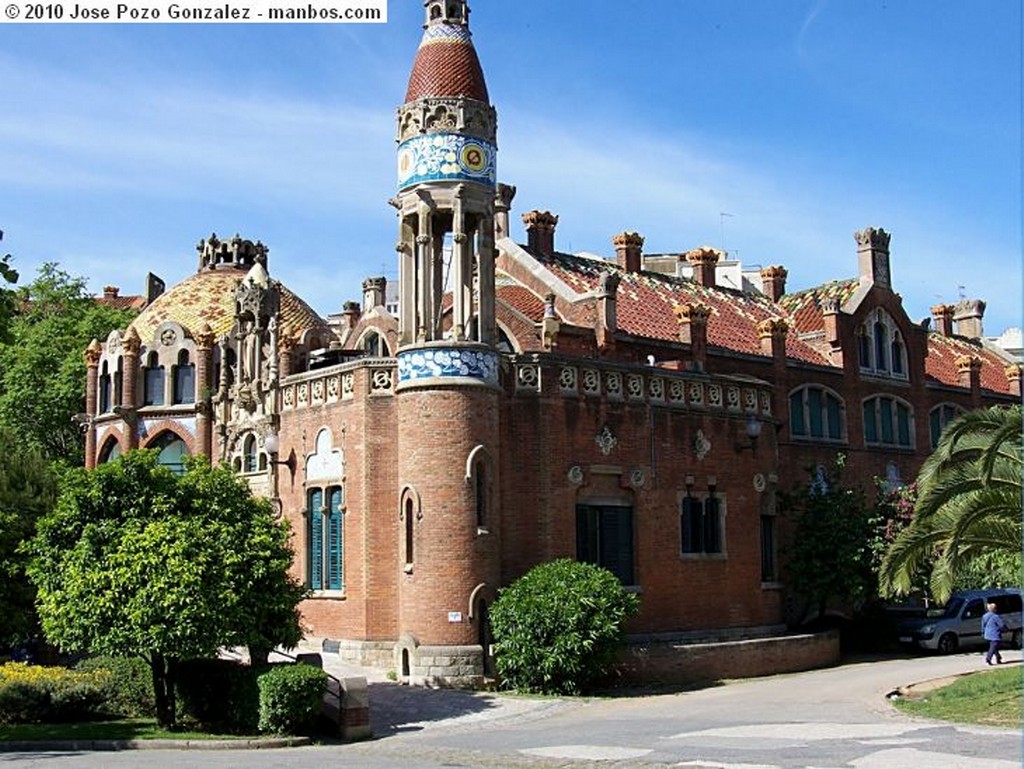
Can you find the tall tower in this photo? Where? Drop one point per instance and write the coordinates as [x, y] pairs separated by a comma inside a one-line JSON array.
[[447, 362]]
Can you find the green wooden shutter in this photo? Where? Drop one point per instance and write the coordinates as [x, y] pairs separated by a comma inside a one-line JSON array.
[[316, 540], [335, 542]]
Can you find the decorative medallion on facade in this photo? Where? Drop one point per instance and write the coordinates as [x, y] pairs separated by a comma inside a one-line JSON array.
[[637, 478], [446, 157], [446, 362], [606, 440], [168, 337], [760, 484], [701, 445], [575, 475], [528, 377]]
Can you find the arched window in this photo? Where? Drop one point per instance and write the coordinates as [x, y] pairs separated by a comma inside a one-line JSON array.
[[111, 450], [701, 523], [374, 346], [888, 421], [119, 383], [939, 417], [880, 347], [410, 515], [505, 344], [816, 412], [153, 381], [172, 452], [104, 405], [184, 379], [481, 494], [249, 454]]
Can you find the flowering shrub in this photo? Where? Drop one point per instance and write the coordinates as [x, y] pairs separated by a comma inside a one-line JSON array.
[[38, 694]]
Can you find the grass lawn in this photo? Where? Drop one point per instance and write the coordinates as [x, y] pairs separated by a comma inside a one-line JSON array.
[[987, 698], [127, 729]]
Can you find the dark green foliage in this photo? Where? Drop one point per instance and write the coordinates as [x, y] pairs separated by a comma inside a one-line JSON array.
[[831, 556], [42, 369], [291, 698], [31, 694], [558, 628], [134, 560], [27, 490], [219, 695], [130, 689]]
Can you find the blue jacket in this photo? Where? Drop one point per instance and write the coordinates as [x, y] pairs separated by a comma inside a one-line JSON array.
[[992, 626]]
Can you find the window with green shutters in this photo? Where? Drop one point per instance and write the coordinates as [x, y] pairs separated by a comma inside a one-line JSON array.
[[325, 540], [604, 536]]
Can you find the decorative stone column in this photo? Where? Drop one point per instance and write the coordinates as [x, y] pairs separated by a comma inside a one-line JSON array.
[[92, 364], [204, 389], [130, 345]]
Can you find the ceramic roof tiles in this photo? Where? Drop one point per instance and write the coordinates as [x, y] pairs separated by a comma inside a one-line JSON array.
[[446, 64], [209, 297], [804, 307], [646, 302], [943, 353]]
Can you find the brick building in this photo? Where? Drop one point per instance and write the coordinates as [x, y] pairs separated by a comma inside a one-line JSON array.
[[526, 404]]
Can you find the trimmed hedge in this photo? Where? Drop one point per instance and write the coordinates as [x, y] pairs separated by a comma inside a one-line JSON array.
[[558, 628], [129, 692], [32, 694], [291, 698], [219, 695]]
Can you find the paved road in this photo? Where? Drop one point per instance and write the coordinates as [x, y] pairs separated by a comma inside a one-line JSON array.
[[830, 719]]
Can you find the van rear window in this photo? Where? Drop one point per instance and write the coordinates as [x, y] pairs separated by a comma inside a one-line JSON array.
[[1006, 604]]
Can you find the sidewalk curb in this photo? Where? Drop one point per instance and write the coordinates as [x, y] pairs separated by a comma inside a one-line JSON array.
[[21, 746]]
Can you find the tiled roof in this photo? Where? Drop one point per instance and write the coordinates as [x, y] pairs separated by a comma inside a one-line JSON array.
[[209, 297], [131, 302], [804, 307], [523, 300], [446, 64], [943, 352], [646, 303]]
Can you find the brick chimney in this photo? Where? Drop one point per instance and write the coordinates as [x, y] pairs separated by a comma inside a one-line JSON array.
[[1013, 372], [942, 316], [693, 330], [629, 251], [773, 281], [968, 314], [968, 368], [833, 332], [873, 256], [540, 230], [351, 312], [374, 292], [704, 260], [772, 333], [111, 292]]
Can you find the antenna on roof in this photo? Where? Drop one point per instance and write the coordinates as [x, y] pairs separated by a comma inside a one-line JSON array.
[[721, 224], [960, 291]]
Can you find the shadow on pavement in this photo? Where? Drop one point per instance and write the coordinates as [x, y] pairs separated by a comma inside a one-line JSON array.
[[395, 708]]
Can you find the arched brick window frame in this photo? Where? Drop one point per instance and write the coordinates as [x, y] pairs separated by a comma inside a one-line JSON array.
[[110, 450], [173, 449], [817, 413], [941, 415], [480, 477], [410, 512]]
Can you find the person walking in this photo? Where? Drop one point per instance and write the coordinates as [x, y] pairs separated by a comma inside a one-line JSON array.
[[992, 626]]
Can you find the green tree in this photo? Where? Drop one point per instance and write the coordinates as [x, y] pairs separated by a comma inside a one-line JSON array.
[[831, 555], [27, 491], [42, 368], [7, 297], [558, 628], [968, 505], [134, 560]]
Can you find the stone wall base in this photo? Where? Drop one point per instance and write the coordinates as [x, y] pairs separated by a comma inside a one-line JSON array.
[[684, 662]]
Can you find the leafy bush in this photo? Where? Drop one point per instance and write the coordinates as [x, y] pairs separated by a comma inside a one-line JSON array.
[[558, 628], [36, 694], [291, 698], [130, 690], [219, 695]]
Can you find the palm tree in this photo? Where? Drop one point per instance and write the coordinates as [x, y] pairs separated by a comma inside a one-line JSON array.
[[968, 504]]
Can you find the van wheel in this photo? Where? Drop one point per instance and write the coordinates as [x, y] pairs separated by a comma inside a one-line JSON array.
[[948, 643], [1015, 639]]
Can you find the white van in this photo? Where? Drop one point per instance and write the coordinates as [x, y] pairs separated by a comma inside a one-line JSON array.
[[958, 624]]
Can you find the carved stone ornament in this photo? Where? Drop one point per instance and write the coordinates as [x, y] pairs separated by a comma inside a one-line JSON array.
[[606, 440], [168, 337], [637, 478], [760, 484], [701, 445], [575, 475]]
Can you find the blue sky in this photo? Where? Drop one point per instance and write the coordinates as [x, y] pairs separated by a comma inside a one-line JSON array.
[[122, 145]]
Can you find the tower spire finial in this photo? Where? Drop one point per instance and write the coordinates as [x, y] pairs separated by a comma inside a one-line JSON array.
[[446, 12]]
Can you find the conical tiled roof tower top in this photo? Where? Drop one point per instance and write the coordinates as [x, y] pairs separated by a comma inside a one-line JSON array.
[[446, 63]]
